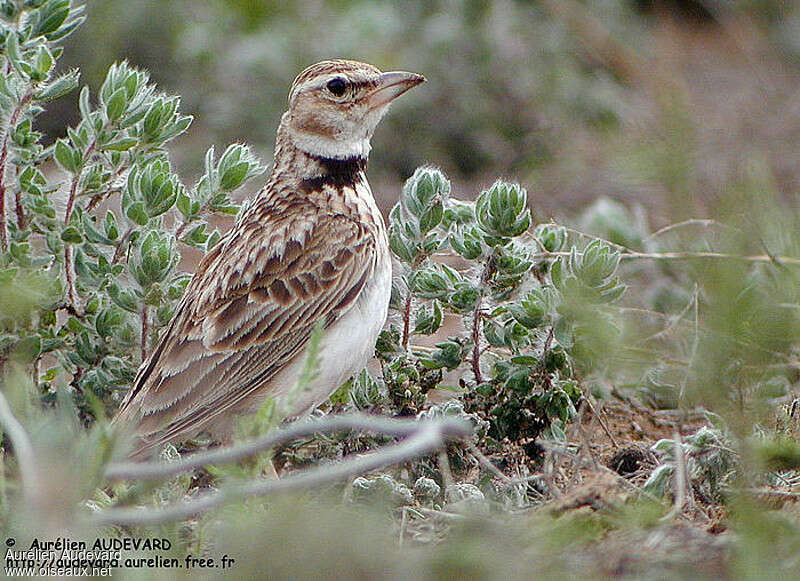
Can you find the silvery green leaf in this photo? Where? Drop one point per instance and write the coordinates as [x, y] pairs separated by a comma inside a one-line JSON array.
[[59, 87]]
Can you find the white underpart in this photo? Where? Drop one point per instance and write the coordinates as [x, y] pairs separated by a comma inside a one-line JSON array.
[[345, 347]]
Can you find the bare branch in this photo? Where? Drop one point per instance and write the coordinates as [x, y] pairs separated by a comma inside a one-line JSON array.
[[394, 427], [428, 437], [757, 258]]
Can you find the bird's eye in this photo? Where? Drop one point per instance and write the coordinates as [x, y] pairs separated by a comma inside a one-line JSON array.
[[337, 86]]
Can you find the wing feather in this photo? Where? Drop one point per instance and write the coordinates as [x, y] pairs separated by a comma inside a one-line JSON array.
[[248, 311]]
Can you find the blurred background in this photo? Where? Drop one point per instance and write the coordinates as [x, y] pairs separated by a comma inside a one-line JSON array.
[[659, 103], [619, 117]]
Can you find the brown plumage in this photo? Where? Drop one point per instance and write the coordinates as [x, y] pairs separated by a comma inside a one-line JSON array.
[[311, 246]]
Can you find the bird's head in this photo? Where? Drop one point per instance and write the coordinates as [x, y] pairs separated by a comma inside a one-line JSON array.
[[335, 105]]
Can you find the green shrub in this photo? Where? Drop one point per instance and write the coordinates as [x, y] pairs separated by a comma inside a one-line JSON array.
[[502, 327]]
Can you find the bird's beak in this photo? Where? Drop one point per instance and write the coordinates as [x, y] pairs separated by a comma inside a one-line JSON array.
[[391, 85]]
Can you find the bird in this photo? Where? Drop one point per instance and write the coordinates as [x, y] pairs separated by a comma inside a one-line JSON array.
[[309, 249]]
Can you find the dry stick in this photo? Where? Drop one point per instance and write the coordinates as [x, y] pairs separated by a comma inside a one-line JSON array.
[[695, 343], [444, 468], [556, 460], [727, 19], [477, 314], [23, 449], [602, 423], [631, 255], [481, 459], [121, 245], [22, 221], [598, 40], [73, 194], [484, 461], [403, 527], [549, 468], [587, 446], [145, 330], [676, 319], [452, 428], [781, 495], [68, 273], [407, 319], [758, 258], [680, 478], [628, 254], [426, 439], [440, 513], [476, 338], [622, 479], [71, 293]]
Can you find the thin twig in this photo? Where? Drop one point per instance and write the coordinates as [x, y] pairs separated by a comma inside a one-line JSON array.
[[780, 495], [68, 272], [403, 527], [599, 41], [695, 344], [22, 220], [476, 339], [440, 513], [72, 297], [477, 315], [121, 245], [73, 193], [389, 426], [444, 468], [586, 446], [630, 255], [23, 448], [675, 319], [145, 331], [486, 463], [602, 423], [550, 467], [571, 436], [482, 460], [12, 120], [427, 438], [407, 319], [578, 233], [706, 223]]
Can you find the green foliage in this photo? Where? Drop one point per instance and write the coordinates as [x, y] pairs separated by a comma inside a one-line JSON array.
[[496, 317], [382, 490], [112, 272], [709, 459], [520, 310]]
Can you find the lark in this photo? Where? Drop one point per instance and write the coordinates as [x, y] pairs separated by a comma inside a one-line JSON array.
[[311, 247]]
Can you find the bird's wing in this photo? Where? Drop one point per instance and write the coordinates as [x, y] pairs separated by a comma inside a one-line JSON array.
[[248, 311]]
